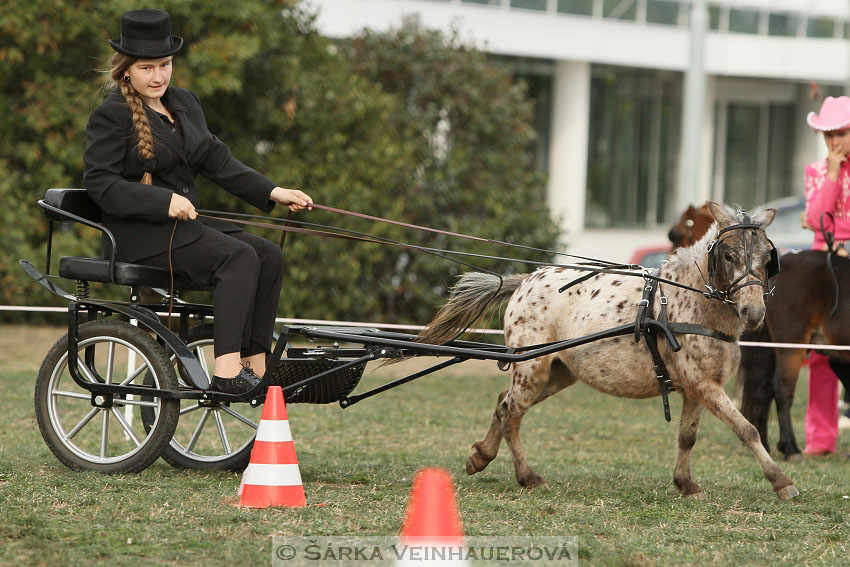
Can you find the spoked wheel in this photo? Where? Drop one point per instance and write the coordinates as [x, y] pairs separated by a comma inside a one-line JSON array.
[[211, 435], [113, 439]]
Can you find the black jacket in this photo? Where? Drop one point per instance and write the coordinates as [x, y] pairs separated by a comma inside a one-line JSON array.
[[138, 214]]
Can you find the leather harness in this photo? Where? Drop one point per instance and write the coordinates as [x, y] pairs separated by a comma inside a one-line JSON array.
[[648, 328]]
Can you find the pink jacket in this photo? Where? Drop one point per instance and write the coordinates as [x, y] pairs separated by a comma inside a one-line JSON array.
[[826, 196]]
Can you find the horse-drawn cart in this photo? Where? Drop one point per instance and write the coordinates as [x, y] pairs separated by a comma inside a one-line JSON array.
[[123, 387]]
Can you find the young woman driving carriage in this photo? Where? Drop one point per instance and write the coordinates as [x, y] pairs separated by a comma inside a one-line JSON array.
[[827, 193], [147, 142]]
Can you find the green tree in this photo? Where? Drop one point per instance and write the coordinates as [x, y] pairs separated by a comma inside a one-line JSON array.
[[410, 125], [474, 172]]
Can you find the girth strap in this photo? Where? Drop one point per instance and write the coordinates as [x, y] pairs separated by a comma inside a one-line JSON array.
[[650, 337], [648, 328]]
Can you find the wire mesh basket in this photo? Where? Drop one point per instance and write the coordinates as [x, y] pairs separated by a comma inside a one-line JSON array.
[[325, 390]]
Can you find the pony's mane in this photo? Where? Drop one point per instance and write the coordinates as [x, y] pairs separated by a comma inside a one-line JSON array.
[[690, 254], [697, 250]]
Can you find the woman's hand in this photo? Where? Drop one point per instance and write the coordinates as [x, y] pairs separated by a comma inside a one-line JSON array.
[[834, 161], [804, 221], [293, 198], [181, 208]]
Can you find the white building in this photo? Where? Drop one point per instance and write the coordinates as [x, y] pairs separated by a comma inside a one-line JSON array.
[[609, 77]]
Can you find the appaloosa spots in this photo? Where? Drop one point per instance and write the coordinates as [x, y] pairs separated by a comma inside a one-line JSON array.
[[594, 293]]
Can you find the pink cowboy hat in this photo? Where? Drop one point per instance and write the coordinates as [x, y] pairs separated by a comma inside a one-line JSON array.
[[834, 115]]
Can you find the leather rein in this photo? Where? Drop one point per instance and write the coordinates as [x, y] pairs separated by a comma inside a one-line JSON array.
[[646, 326]]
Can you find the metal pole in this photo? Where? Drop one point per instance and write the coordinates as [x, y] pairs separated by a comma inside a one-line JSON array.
[[693, 111]]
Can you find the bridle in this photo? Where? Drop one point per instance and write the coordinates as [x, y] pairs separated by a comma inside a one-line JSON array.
[[771, 268]]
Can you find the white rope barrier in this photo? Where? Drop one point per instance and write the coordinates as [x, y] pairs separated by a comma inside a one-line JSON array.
[[284, 320], [393, 326], [794, 345]]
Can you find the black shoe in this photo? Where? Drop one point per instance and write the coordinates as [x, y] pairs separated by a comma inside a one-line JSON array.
[[243, 382]]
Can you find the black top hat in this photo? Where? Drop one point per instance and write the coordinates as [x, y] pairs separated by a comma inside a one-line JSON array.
[[146, 34]]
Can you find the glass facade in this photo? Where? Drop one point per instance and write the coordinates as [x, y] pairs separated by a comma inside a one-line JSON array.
[[619, 9], [723, 16], [820, 27], [744, 21], [576, 7], [635, 116], [633, 147], [663, 12], [782, 25], [539, 5], [756, 151]]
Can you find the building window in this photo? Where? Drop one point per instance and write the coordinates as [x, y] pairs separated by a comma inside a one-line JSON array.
[[539, 5], [633, 147], [714, 18], [486, 2], [662, 12], [537, 74], [577, 7], [743, 21], [619, 9], [820, 27], [782, 24], [754, 152]]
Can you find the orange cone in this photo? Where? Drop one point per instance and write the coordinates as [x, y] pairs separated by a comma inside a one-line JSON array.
[[432, 531], [272, 477]]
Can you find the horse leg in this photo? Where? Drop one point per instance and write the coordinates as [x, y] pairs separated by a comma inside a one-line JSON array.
[[784, 383], [528, 383], [758, 396], [688, 424], [486, 450], [713, 397]]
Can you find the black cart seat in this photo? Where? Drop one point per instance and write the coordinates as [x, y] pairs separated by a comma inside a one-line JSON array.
[[65, 205], [97, 270]]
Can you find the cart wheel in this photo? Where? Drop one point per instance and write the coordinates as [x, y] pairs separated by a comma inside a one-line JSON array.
[[211, 435], [107, 440]]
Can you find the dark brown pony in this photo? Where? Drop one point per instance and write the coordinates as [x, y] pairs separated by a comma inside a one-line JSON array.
[[692, 225], [799, 312]]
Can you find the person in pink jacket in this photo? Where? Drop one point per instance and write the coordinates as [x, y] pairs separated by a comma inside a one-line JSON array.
[[827, 191]]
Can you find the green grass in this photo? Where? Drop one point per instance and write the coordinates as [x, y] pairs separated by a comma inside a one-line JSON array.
[[608, 463]]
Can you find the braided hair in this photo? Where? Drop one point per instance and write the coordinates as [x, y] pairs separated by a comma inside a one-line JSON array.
[[117, 73]]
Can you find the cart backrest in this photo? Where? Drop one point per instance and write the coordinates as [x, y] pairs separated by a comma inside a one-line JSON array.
[[74, 201]]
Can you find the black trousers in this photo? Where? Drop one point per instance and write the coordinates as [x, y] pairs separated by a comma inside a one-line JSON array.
[[246, 272]]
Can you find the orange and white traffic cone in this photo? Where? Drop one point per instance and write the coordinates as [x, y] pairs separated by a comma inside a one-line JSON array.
[[272, 477], [432, 532]]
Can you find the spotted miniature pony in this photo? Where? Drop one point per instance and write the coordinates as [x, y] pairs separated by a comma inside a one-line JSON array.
[[731, 264]]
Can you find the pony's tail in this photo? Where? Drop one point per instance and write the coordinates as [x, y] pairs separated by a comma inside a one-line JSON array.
[[756, 373], [469, 299]]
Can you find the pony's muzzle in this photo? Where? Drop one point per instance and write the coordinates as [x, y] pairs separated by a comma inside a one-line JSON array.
[[752, 316]]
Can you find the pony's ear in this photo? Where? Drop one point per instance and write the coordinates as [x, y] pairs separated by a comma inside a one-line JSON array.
[[721, 213], [767, 217]]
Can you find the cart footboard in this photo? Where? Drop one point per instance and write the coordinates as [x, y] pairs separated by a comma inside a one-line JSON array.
[[330, 388]]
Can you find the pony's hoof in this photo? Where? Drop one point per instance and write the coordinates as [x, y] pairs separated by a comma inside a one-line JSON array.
[[788, 492], [532, 481], [695, 495], [471, 469], [794, 457], [477, 462], [688, 487]]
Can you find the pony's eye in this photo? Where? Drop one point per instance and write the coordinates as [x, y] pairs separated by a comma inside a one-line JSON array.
[[728, 257]]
